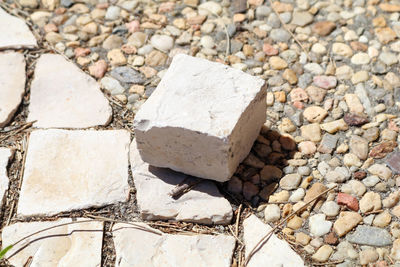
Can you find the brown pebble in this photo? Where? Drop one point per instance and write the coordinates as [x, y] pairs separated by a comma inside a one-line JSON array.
[[331, 239], [381, 150]]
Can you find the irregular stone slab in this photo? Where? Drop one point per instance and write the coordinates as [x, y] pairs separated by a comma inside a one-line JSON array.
[[145, 246], [202, 119], [5, 156], [14, 33], [70, 170], [370, 236], [63, 96], [74, 245], [275, 252], [12, 83], [202, 204]]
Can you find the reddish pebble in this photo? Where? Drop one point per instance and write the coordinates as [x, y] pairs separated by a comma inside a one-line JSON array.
[[298, 94], [133, 26], [350, 201], [360, 175], [60, 10], [166, 7], [98, 69], [326, 82], [81, 52], [102, 5], [269, 50], [128, 49], [298, 105], [307, 147], [51, 27], [380, 264], [331, 239], [392, 126]]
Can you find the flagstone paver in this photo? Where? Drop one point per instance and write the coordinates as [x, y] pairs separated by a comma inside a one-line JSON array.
[[5, 156], [63, 96], [14, 33], [12, 84], [202, 204], [70, 170], [275, 252], [136, 247], [202, 119], [70, 245]]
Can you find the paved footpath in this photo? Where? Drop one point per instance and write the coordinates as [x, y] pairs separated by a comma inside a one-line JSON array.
[[74, 73]]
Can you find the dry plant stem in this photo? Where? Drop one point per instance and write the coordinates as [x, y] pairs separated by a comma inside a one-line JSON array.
[[23, 127], [228, 39], [237, 220], [327, 263], [84, 221], [287, 29], [185, 186], [265, 239]]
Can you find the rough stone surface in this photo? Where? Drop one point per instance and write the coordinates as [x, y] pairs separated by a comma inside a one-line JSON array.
[[12, 84], [347, 220], [202, 204], [14, 33], [69, 170], [142, 245], [370, 236], [78, 244], [276, 252], [5, 156], [68, 98], [222, 120]]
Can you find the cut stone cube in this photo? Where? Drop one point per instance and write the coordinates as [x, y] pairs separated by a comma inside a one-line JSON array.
[[202, 119]]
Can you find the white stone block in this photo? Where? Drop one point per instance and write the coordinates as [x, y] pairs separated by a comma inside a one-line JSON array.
[[202, 119], [141, 245], [71, 170], [5, 156], [275, 252], [203, 204], [63, 96], [14, 33], [12, 84], [76, 244]]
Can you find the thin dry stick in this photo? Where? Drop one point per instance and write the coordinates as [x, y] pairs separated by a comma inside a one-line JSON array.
[[23, 127], [265, 239], [21, 174], [84, 221], [228, 39], [287, 29], [11, 213], [327, 263], [237, 220], [234, 235]]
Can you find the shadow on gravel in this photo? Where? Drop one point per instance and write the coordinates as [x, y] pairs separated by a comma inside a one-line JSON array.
[[257, 177]]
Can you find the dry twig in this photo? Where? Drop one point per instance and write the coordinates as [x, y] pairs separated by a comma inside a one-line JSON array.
[[287, 29], [18, 130]]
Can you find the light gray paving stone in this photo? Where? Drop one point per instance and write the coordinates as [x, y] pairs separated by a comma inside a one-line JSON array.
[[5, 156], [202, 119], [145, 246], [275, 252], [12, 84], [14, 33], [203, 204], [63, 96], [69, 245], [70, 170]]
